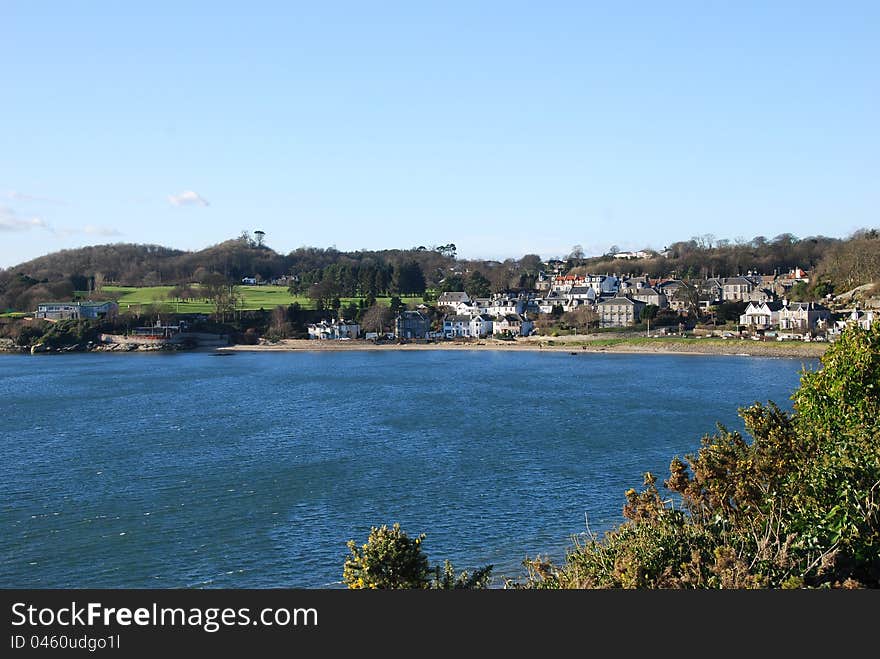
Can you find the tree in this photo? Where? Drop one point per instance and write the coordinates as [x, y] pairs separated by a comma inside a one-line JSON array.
[[408, 279], [581, 318], [324, 293], [377, 318], [395, 305], [259, 236], [477, 285], [390, 559], [650, 312], [797, 506], [451, 284]]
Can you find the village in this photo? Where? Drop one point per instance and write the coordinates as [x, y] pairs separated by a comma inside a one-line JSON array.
[[559, 303], [617, 302]]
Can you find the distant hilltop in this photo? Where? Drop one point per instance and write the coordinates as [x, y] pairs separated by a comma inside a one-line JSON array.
[[834, 264]]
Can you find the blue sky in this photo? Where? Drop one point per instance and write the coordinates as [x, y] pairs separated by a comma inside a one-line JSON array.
[[504, 127]]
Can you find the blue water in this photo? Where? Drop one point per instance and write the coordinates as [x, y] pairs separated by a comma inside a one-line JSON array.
[[191, 470]]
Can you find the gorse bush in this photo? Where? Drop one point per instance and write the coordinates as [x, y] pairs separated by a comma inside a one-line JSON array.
[[798, 506], [390, 559]]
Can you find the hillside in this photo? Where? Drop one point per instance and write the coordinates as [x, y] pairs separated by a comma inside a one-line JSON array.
[[836, 265]]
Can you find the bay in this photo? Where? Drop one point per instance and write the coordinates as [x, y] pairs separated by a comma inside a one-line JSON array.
[[252, 471]]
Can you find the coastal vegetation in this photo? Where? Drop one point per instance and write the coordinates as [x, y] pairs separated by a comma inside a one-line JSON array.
[[390, 559], [796, 505]]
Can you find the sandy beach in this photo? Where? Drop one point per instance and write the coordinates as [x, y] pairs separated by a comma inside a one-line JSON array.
[[573, 344]]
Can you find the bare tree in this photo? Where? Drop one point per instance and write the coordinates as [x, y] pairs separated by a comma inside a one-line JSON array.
[[377, 318]]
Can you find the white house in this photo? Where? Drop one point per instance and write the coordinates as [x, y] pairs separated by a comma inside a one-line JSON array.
[[456, 325], [481, 325], [75, 310], [585, 293], [863, 319], [761, 315], [340, 329], [452, 298]]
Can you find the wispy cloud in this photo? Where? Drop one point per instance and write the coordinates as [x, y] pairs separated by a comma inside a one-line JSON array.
[[10, 221], [15, 195], [93, 230], [187, 198], [89, 230]]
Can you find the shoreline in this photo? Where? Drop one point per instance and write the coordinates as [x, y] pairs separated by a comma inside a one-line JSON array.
[[571, 344]]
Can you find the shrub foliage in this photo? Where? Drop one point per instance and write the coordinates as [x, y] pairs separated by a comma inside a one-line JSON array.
[[797, 506], [390, 559]]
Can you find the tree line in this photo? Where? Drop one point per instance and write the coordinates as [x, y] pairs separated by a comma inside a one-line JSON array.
[[324, 274]]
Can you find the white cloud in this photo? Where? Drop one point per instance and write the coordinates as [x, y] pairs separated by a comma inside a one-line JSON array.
[[187, 198], [90, 230], [93, 230], [15, 195], [10, 221]]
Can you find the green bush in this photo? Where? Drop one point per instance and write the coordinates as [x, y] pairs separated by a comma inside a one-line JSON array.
[[798, 506], [390, 559]]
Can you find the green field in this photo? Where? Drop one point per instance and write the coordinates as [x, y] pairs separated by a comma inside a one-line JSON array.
[[135, 299]]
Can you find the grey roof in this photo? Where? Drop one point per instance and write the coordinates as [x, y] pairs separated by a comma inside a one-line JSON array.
[[738, 281], [453, 296], [814, 306], [773, 306], [484, 317], [578, 290], [455, 318], [621, 300], [513, 318]]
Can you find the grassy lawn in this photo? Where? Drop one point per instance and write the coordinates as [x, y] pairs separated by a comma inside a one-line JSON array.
[[254, 297], [13, 314]]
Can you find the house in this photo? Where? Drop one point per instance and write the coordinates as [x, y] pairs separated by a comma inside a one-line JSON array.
[[456, 325], [650, 295], [668, 288], [249, 281], [512, 325], [546, 305], [863, 319], [506, 303], [760, 295], [481, 325], [736, 289], [586, 293], [411, 325], [76, 310], [452, 299], [761, 315], [604, 284], [802, 316], [621, 311], [564, 283], [340, 329]]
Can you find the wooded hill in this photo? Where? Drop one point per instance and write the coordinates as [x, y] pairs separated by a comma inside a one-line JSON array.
[[839, 265]]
